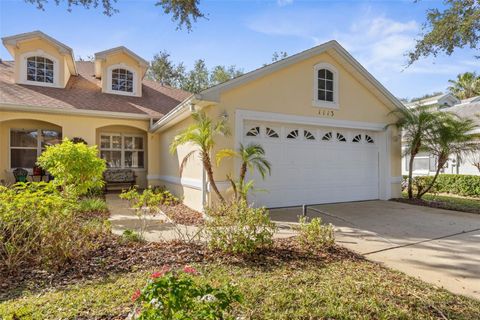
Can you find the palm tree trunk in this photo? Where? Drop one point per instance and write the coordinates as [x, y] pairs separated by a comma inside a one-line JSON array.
[[243, 173], [207, 164], [441, 162]]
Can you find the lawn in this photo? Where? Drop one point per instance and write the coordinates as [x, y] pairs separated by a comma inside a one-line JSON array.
[[342, 286], [447, 202]]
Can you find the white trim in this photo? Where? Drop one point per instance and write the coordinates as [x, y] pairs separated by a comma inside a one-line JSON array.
[[321, 103], [106, 114], [241, 115], [109, 80], [196, 184], [396, 180], [23, 69], [177, 114], [105, 53]]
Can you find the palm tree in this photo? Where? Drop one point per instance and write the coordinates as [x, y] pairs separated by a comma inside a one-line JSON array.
[[415, 124], [466, 86], [253, 158], [201, 134], [452, 136]]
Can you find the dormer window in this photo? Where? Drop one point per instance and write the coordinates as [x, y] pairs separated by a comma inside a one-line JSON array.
[[39, 69], [325, 93], [122, 80]]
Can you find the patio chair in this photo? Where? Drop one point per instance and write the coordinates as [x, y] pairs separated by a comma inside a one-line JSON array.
[[20, 175]]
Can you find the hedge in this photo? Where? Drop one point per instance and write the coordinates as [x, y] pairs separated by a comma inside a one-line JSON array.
[[458, 184]]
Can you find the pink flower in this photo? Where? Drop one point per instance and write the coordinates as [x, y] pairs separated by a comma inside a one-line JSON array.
[[189, 269], [160, 273], [136, 295]]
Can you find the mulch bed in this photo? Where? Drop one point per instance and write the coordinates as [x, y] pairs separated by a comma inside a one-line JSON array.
[[115, 256], [182, 214], [438, 204]]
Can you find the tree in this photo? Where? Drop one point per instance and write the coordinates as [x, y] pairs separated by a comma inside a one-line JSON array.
[[451, 135], [475, 159], [457, 26], [163, 70], [466, 86], [196, 79], [75, 166], [415, 124], [184, 12], [202, 135], [253, 158], [220, 74], [277, 56]]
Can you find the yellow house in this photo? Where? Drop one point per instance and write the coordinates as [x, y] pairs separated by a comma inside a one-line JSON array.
[[321, 117]]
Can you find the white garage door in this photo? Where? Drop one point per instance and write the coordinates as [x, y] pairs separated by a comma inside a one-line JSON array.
[[313, 165]]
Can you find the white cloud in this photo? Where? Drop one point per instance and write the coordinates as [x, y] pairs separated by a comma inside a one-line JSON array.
[[379, 42], [283, 3]]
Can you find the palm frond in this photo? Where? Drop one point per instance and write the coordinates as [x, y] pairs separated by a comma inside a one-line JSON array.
[[225, 153], [185, 160]]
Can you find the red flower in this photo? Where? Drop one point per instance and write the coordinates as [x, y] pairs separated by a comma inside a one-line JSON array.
[[136, 295], [188, 269], [160, 273]]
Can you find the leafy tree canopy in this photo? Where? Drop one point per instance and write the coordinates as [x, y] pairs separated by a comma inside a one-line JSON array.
[[183, 12], [457, 26], [165, 71]]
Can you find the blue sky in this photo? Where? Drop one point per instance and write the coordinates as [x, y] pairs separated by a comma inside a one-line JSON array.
[[246, 33]]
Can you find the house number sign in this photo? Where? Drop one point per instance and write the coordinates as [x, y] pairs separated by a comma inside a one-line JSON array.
[[326, 113]]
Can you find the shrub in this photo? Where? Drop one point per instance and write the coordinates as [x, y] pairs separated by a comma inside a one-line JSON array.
[[75, 166], [146, 203], [239, 228], [95, 205], [39, 225], [130, 235], [176, 295], [315, 235], [458, 184]]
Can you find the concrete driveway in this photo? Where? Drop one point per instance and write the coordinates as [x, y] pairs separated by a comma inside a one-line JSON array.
[[438, 246]]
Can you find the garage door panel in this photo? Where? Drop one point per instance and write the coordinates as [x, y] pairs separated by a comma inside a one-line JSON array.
[[314, 172]]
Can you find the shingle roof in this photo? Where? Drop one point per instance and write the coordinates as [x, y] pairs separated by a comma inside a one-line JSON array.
[[467, 110], [83, 92]]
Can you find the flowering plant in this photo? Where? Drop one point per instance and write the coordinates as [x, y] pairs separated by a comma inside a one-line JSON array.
[[176, 294]]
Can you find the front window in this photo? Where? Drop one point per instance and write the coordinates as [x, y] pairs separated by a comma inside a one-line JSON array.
[[26, 145], [40, 69], [422, 162], [122, 80], [325, 85], [122, 151]]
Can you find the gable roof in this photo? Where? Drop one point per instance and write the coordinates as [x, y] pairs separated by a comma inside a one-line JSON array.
[[11, 42], [83, 94], [123, 49], [333, 47], [443, 99]]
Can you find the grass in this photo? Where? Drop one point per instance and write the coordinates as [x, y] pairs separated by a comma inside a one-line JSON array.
[[451, 202], [347, 289]]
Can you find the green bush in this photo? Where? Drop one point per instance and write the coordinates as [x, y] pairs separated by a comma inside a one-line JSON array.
[[457, 184], [238, 228], [313, 235], [130, 235], [176, 295], [39, 225], [92, 205], [76, 167]]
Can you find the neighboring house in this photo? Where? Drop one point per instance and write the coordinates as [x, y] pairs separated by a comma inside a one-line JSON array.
[[321, 117], [425, 163]]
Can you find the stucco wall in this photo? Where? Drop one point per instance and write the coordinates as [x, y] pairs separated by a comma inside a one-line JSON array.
[[85, 127]]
